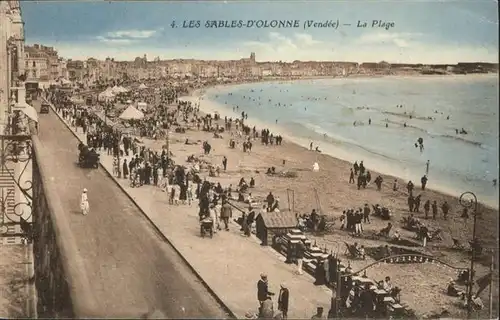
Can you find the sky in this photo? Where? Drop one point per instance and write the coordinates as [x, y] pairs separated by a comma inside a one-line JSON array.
[[420, 31]]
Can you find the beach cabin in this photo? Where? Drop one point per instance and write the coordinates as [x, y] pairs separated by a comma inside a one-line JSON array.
[[271, 225]]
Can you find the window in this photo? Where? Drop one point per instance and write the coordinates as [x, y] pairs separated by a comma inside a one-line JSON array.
[[34, 64]]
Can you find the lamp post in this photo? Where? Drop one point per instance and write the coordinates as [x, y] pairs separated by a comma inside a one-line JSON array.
[[469, 200]]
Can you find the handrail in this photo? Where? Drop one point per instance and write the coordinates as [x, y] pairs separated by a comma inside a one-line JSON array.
[[420, 256], [82, 300], [234, 206]]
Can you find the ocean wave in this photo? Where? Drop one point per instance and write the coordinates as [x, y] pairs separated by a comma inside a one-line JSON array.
[[407, 115], [458, 138], [441, 135], [334, 139]]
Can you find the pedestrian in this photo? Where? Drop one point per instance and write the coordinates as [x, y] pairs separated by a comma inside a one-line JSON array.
[[424, 231], [319, 313], [224, 163], [410, 187], [357, 225], [226, 214], [301, 248], [189, 194], [445, 208], [366, 213], [263, 290], [84, 203], [283, 301], [434, 209], [351, 176], [423, 181], [343, 220], [395, 185], [215, 217], [125, 169], [427, 207]]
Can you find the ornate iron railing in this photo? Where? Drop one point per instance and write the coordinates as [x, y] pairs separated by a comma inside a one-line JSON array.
[[16, 199]]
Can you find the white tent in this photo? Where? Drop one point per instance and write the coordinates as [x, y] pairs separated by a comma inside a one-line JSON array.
[[131, 113], [143, 86], [115, 90], [118, 89], [142, 104], [106, 95]]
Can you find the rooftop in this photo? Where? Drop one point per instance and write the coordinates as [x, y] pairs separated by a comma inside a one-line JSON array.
[[285, 219]]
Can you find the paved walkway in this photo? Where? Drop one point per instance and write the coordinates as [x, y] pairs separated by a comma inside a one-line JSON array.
[[229, 263], [131, 269]]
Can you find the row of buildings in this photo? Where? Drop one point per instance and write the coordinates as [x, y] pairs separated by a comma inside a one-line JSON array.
[[140, 68], [12, 89], [43, 64]]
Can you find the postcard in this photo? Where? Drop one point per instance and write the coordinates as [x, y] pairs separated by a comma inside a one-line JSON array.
[[249, 159]]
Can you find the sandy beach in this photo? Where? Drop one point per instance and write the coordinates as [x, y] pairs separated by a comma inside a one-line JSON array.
[[422, 286]]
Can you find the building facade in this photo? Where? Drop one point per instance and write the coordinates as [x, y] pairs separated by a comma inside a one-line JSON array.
[[12, 65], [42, 63]]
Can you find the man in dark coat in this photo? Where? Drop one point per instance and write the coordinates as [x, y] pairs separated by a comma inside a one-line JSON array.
[[226, 214], [125, 169], [423, 181], [263, 289], [366, 301], [283, 301]]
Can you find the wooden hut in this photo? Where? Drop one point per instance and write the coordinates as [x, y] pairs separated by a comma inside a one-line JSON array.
[[272, 224]]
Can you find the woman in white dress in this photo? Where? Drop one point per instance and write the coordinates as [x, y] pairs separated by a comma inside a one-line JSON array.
[[84, 203], [177, 193]]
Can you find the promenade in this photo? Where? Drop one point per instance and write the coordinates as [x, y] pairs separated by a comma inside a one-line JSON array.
[[229, 263], [130, 269]]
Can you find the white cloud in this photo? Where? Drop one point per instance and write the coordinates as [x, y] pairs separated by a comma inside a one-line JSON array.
[[280, 45], [132, 34], [306, 39], [402, 40], [369, 47], [295, 47], [113, 41], [126, 36]]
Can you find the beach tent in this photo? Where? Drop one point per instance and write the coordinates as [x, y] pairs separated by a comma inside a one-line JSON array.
[[131, 113], [121, 89], [115, 90], [106, 95], [143, 86]]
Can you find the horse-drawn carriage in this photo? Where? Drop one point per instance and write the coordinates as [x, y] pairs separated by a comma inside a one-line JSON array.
[[87, 158]]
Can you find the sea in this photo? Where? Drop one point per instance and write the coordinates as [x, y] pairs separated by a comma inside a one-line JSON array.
[[379, 120]]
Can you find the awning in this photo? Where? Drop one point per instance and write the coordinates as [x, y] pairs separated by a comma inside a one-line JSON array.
[[28, 110]]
